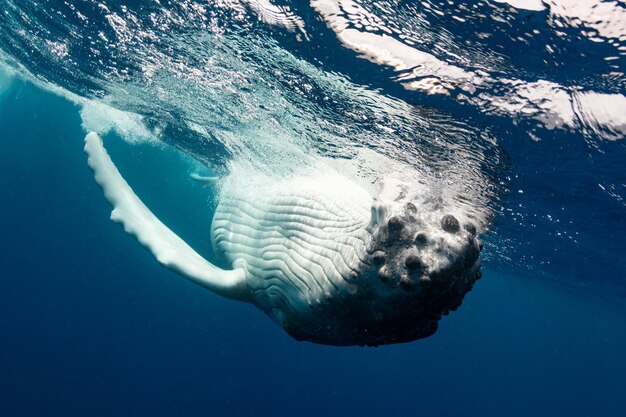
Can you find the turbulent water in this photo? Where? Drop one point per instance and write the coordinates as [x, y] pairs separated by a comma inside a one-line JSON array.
[[515, 111]]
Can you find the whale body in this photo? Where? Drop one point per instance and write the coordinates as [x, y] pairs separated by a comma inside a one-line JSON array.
[[321, 256]]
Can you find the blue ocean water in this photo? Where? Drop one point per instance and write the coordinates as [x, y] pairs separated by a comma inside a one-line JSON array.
[[91, 325]]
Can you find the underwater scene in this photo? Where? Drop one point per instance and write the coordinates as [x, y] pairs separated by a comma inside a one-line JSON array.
[[312, 207]]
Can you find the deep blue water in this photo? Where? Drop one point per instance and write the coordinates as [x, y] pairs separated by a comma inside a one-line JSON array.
[[91, 325]]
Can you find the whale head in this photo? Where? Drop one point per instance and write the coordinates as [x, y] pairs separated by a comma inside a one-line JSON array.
[[420, 265], [423, 258], [421, 261]]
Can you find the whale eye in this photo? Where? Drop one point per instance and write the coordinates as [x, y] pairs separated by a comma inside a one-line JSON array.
[[450, 224]]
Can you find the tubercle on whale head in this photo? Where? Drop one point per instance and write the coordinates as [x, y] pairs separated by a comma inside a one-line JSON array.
[[406, 240], [423, 263]]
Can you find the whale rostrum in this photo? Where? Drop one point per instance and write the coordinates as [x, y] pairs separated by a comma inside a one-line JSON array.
[[319, 254]]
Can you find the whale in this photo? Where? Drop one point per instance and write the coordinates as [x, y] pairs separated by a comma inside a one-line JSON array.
[[326, 259]]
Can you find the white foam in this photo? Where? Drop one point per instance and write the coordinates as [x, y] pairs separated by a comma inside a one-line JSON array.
[[535, 5], [101, 118], [96, 116]]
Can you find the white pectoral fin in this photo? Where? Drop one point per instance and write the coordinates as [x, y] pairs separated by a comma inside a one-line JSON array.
[[169, 249], [206, 181]]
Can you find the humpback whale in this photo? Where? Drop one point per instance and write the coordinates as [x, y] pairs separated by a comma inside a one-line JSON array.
[[321, 256]]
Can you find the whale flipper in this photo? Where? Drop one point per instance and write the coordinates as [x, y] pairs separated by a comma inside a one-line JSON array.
[[167, 247], [206, 181]]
